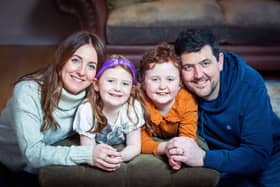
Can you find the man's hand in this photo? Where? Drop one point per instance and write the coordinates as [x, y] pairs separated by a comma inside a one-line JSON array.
[[186, 150]]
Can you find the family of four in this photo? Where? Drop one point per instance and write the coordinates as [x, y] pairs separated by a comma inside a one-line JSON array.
[[193, 103]]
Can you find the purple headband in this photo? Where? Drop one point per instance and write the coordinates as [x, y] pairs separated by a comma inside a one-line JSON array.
[[112, 62]]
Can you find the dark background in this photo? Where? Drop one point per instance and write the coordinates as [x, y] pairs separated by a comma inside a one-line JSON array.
[[34, 22]]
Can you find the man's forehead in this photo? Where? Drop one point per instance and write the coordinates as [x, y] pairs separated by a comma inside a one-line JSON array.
[[198, 56]]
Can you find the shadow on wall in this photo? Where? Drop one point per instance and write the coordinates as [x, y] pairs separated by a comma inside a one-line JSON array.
[[33, 22]]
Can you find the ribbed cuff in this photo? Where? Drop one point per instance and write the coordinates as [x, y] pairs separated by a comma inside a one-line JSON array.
[[82, 154], [212, 159]]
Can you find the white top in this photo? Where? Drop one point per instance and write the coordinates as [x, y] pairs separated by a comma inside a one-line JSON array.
[[113, 133]]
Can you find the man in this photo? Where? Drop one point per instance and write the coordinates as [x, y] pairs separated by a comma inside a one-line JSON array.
[[235, 115]]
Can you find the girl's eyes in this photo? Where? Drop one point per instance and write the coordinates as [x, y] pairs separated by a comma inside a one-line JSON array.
[[123, 83], [126, 83], [154, 79], [170, 79]]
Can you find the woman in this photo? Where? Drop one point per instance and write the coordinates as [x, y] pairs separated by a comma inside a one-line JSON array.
[[41, 110]]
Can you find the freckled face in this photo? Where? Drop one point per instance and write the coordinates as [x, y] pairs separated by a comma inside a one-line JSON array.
[[162, 84], [79, 71]]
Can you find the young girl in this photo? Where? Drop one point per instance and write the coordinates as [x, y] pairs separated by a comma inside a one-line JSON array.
[[172, 110], [113, 116]]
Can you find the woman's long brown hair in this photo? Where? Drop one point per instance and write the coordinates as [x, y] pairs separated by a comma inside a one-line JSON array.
[[49, 77]]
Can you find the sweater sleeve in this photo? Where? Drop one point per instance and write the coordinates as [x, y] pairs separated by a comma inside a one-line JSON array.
[[149, 145], [27, 117], [189, 115], [252, 154]]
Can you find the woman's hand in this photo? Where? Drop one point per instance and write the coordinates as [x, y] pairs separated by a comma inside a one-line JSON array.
[[106, 157]]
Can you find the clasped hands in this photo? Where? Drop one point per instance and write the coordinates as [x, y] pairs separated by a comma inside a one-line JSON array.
[[178, 150], [184, 150], [106, 157]]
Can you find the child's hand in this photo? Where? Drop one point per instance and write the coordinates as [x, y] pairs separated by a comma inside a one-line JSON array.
[[115, 156], [106, 157], [176, 165]]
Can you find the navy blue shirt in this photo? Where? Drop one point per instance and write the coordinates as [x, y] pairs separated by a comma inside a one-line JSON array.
[[239, 126]]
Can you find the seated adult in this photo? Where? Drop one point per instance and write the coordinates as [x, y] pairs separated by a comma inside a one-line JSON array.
[[41, 111], [235, 114]]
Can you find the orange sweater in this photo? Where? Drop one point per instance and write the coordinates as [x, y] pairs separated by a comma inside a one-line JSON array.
[[181, 120]]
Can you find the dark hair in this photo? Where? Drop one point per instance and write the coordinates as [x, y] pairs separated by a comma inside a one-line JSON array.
[[49, 77], [192, 40]]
